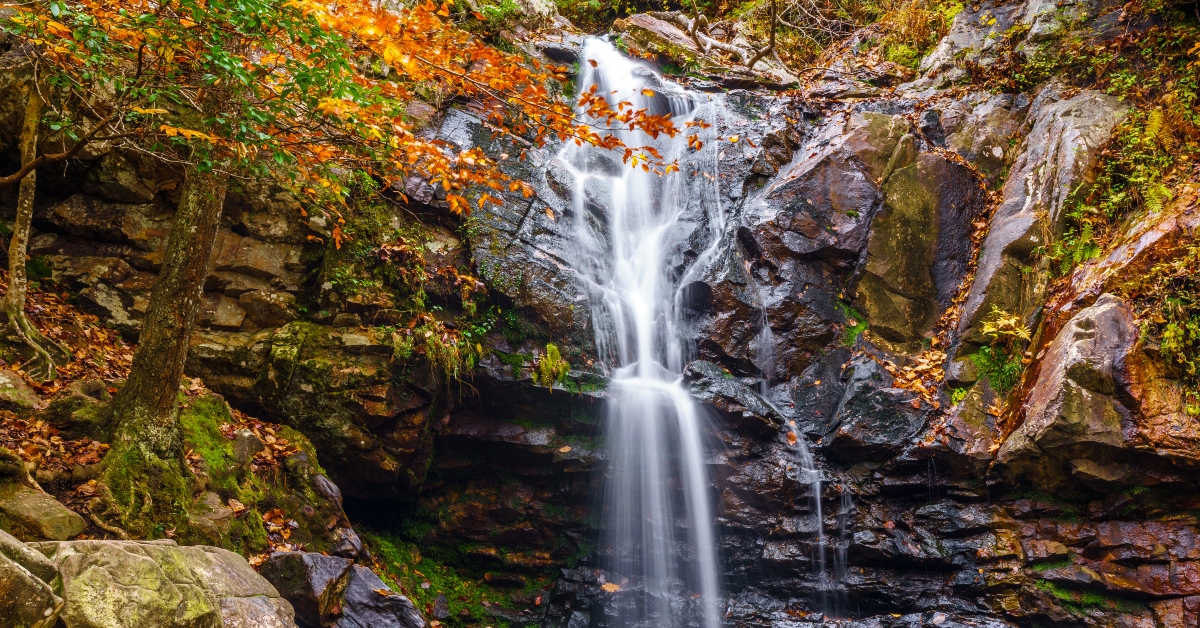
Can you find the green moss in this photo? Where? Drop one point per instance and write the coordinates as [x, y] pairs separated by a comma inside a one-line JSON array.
[[903, 54], [153, 498], [855, 325], [588, 383], [958, 394], [38, 268], [147, 496], [1079, 601], [1056, 564], [406, 568], [515, 361]]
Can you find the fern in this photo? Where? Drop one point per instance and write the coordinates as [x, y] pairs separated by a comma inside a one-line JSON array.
[[1156, 196], [1154, 125]]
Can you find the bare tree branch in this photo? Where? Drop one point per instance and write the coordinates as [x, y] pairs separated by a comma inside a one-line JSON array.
[[57, 157], [770, 47]]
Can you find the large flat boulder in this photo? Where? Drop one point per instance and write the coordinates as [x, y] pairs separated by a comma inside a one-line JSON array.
[[158, 584], [34, 515]]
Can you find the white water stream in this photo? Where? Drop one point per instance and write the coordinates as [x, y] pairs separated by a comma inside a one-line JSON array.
[[657, 528]]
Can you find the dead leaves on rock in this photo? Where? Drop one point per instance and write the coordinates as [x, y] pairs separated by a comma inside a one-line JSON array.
[[275, 449], [923, 376], [98, 352], [38, 442], [279, 531]]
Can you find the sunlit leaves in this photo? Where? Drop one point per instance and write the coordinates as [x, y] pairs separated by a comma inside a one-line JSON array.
[[314, 88]]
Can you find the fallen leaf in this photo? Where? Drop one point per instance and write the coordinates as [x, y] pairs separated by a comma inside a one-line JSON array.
[[611, 587], [564, 449]]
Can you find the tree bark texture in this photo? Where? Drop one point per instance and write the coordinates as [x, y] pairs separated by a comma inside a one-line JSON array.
[[145, 410]]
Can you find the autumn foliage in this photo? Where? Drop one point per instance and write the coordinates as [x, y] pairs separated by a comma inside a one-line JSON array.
[[303, 90]]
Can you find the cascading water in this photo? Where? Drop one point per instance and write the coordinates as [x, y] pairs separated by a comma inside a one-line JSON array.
[[657, 529]]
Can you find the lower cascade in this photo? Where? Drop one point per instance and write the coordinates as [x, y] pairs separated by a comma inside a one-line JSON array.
[[657, 526]]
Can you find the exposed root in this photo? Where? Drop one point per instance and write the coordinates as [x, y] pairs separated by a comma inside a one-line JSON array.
[[13, 465], [47, 354], [100, 523]]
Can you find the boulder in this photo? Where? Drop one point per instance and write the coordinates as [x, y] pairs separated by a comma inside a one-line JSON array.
[[260, 209], [920, 243], [80, 410], [114, 178], [32, 560], [312, 583], [16, 395], [32, 514], [276, 262], [711, 384], [116, 584], [25, 601], [873, 421], [978, 127], [1056, 158], [221, 312], [1077, 414], [331, 592], [369, 603], [210, 516]]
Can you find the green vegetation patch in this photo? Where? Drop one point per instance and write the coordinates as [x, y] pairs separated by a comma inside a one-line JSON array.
[[424, 579], [855, 325], [1079, 602]]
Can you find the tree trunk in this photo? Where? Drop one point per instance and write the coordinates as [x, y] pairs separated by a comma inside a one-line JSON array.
[[145, 411], [46, 353]]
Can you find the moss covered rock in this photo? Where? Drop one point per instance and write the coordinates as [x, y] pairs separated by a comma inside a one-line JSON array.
[[32, 514], [116, 584], [225, 492], [340, 388]]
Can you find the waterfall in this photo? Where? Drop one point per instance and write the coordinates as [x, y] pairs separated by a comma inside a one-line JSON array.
[[658, 534]]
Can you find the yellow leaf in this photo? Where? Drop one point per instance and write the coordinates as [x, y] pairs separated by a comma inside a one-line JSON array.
[[149, 111], [611, 587], [564, 449], [189, 134], [733, 139], [648, 93], [550, 213]]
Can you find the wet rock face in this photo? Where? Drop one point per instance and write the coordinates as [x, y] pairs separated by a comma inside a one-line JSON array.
[[1059, 152], [920, 243], [1085, 418]]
